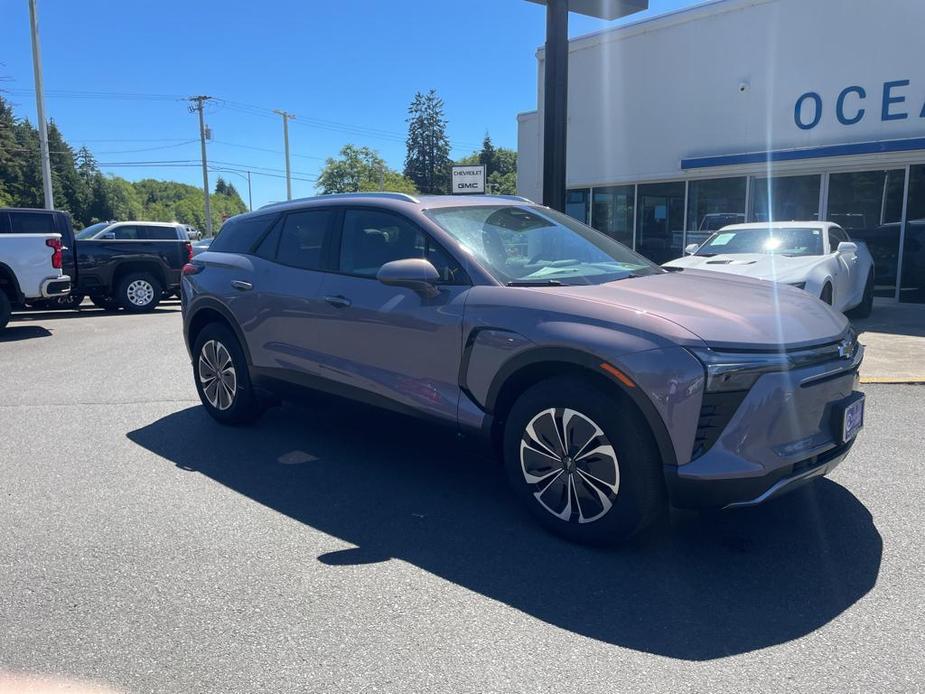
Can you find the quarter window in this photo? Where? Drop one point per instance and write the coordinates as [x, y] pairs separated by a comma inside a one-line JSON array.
[[239, 234]]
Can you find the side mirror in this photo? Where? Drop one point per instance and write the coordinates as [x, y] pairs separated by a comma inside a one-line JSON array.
[[847, 247], [108, 236], [691, 248], [416, 274]]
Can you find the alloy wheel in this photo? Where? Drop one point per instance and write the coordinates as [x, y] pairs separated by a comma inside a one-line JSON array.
[[217, 375], [571, 465]]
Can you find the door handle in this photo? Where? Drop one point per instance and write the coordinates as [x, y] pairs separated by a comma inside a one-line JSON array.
[[338, 301], [242, 285]]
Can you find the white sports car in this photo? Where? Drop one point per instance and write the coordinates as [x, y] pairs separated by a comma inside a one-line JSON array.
[[816, 256]]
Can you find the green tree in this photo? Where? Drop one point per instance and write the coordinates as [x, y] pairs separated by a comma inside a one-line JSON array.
[[360, 169], [427, 162]]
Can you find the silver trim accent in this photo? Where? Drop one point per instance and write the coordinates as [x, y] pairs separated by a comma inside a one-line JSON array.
[[346, 196]]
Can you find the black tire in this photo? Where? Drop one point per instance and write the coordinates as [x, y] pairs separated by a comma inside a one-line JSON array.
[[630, 481], [6, 309], [864, 309], [826, 296], [139, 292], [235, 402], [107, 303]]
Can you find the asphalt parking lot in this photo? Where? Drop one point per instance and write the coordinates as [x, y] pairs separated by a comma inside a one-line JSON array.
[[334, 548]]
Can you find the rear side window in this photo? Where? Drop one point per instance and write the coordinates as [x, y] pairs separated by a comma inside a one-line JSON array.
[[125, 233], [158, 233], [239, 234], [303, 236], [32, 223]]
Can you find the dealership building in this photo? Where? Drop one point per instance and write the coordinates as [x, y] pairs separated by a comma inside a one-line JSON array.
[[749, 110]]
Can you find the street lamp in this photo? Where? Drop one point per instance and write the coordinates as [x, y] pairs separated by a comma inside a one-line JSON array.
[[250, 204], [555, 83]]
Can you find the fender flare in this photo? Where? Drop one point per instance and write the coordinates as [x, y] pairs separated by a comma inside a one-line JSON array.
[[207, 303], [592, 365]]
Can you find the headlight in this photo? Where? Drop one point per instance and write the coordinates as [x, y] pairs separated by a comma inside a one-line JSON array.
[[728, 371], [798, 285]]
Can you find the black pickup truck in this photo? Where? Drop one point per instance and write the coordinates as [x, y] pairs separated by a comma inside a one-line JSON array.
[[129, 265]]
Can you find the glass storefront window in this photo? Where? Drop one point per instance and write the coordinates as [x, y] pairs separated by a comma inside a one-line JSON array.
[[912, 287], [576, 204], [869, 205], [612, 212], [660, 221], [713, 204], [785, 199]]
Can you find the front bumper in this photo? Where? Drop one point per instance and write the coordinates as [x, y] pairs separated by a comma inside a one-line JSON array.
[[782, 434], [56, 286]]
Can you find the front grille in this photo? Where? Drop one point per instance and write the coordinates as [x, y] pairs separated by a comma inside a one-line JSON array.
[[715, 412]]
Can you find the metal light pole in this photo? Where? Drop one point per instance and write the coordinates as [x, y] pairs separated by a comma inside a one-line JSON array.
[[555, 83], [40, 107], [286, 119], [199, 101]]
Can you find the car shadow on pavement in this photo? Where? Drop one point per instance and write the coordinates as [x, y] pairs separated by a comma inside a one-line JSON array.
[[85, 312], [697, 588], [15, 333]]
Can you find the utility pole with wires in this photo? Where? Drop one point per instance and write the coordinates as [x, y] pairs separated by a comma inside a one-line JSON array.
[[196, 104], [40, 107], [286, 118]]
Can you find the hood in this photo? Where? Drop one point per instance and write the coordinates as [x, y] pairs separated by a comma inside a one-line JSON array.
[[722, 310], [763, 266]]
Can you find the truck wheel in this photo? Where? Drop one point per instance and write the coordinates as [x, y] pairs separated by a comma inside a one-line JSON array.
[[584, 462], [107, 303], [826, 296], [221, 376], [139, 292], [6, 310]]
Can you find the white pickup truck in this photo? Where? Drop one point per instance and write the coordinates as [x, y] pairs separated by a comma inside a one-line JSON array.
[[30, 269]]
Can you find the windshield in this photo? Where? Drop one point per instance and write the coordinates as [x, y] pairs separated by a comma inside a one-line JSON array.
[[789, 242], [530, 245], [91, 230]]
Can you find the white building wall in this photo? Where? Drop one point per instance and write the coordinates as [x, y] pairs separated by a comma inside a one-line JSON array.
[[644, 96]]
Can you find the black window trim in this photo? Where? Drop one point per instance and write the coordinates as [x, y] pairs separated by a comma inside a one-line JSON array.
[[429, 240]]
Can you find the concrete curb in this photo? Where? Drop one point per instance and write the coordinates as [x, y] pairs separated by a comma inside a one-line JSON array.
[[914, 381]]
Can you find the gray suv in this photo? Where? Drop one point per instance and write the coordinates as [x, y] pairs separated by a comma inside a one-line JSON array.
[[609, 385]]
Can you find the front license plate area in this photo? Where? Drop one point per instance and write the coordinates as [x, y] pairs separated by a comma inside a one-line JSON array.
[[852, 419]]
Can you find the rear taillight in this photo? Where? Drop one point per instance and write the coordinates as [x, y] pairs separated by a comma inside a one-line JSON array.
[[189, 251], [191, 269], [55, 245]]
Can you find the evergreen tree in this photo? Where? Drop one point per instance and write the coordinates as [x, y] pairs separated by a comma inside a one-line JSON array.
[[69, 192], [427, 162]]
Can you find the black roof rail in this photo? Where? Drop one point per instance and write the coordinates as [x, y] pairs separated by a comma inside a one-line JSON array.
[[333, 196]]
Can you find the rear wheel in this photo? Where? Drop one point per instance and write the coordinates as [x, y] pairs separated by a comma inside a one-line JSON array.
[[221, 375], [6, 309], [583, 461], [139, 292], [826, 296], [864, 309]]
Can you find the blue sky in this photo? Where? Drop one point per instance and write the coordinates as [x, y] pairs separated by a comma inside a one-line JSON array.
[[115, 74]]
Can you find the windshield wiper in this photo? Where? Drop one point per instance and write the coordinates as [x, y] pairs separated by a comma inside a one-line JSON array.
[[534, 283]]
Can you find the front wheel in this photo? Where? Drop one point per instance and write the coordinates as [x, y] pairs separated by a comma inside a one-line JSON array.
[[221, 375], [139, 292], [583, 461], [826, 296]]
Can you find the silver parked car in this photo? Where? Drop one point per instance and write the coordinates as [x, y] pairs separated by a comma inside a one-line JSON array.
[[609, 385]]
